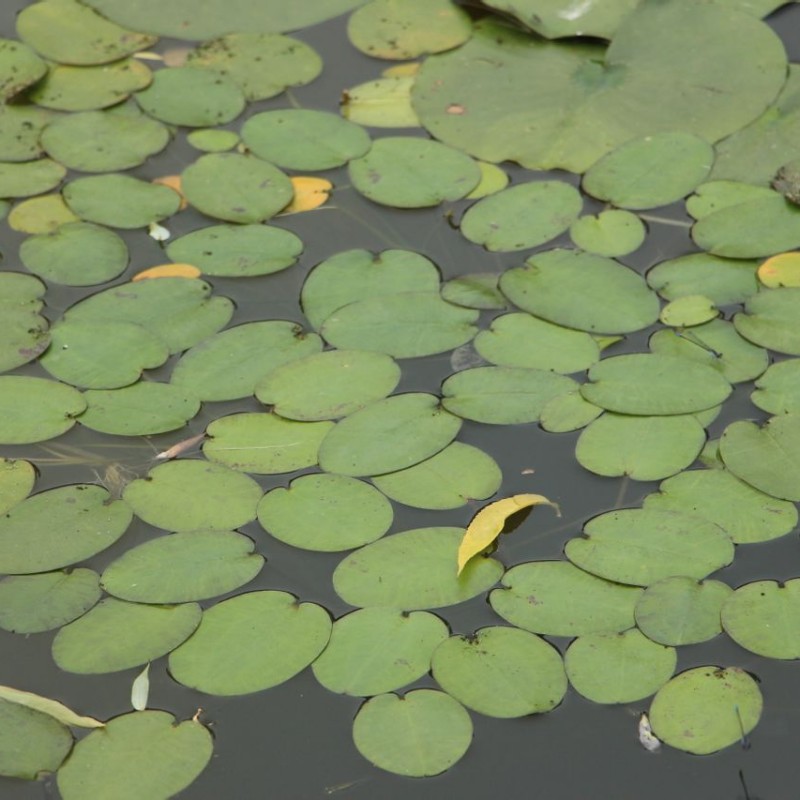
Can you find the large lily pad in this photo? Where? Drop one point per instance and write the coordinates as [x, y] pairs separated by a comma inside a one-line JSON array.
[[31, 742], [36, 409]]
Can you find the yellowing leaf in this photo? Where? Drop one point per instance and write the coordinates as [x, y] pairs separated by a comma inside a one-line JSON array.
[[43, 214], [50, 707], [407, 70], [488, 523], [780, 270], [168, 271], [308, 193], [173, 182]]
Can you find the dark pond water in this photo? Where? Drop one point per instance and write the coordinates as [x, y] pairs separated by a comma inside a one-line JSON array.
[[294, 742]]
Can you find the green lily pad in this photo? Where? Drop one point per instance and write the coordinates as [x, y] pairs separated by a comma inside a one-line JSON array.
[[36, 603], [744, 513], [95, 354], [120, 201], [568, 412], [402, 325], [23, 179], [36, 409], [706, 709], [778, 389], [478, 290], [75, 254], [618, 667], [523, 216], [19, 67], [768, 458], [141, 409], [385, 103], [231, 364], [250, 643], [501, 672], [409, 172], [355, 275], [688, 311], [20, 127], [502, 395], [68, 32], [67, 88], [716, 196], [421, 734], [555, 598], [641, 383], [650, 171], [192, 495], [181, 567], [262, 65], [386, 29], [582, 291], [522, 340], [493, 180], [327, 513], [328, 385], [609, 233], [103, 141], [677, 611], [236, 188], [643, 448], [25, 335], [117, 635], [388, 435], [413, 570], [44, 214], [304, 139], [212, 140], [142, 754], [234, 251], [31, 742], [179, 311], [17, 478], [639, 547], [265, 443], [450, 479], [376, 650], [770, 320]]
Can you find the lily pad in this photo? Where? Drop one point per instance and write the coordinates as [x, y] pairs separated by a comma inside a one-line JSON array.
[[142, 754], [20, 127], [117, 635], [236, 188], [769, 319], [17, 478], [31, 742], [25, 334], [384, 103], [23, 179], [44, 214], [413, 570], [555, 598], [478, 290], [192, 495], [688, 311], [678, 611], [582, 291], [716, 196], [421, 734], [36, 603], [568, 412], [388, 435], [609, 233], [639, 547], [493, 180], [250, 643], [19, 67], [327, 513], [450, 479], [618, 667], [376, 650], [409, 172], [523, 216], [778, 389], [36, 409], [181, 567], [706, 709], [212, 140]]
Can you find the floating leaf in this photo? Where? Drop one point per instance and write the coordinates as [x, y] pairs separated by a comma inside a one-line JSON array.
[[16, 481], [250, 643], [190, 495], [770, 320], [326, 513], [19, 67], [212, 140], [568, 412], [116, 635], [168, 271], [25, 334], [182, 567], [618, 667], [36, 603], [30, 177], [44, 214], [140, 690], [141, 754], [677, 611], [413, 570], [376, 650], [388, 435], [556, 598], [722, 280], [45, 705], [421, 734], [309, 193], [450, 479], [493, 180], [409, 172], [478, 290], [778, 389], [20, 127], [501, 672], [687, 311], [30, 742], [637, 546], [385, 103], [489, 522], [36, 409], [609, 233], [780, 270], [718, 195], [706, 709], [236, 188], [582, 291]]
